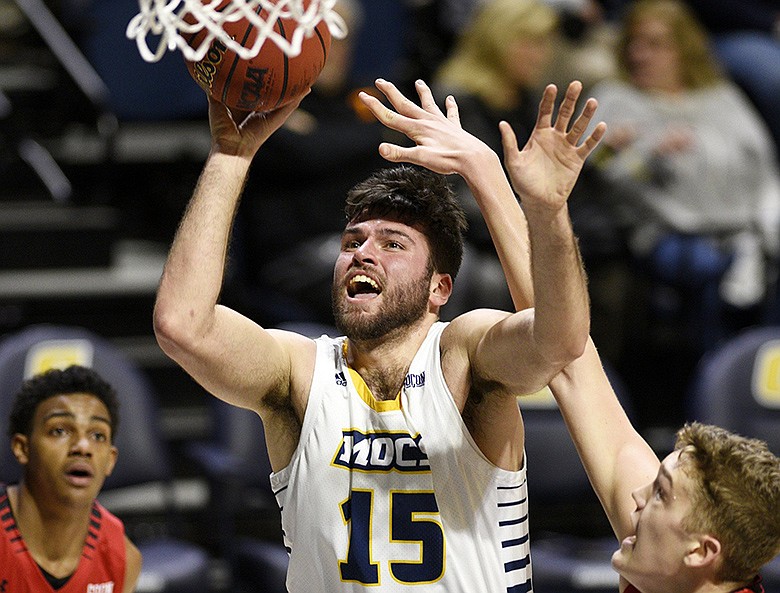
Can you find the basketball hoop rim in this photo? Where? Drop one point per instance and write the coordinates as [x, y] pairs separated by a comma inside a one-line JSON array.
[[170, 20]]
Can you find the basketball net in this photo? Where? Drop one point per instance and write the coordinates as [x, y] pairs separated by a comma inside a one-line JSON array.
[[170, 20]]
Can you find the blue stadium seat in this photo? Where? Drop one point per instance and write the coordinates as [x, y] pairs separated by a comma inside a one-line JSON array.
[[737, 386], [246, 518]]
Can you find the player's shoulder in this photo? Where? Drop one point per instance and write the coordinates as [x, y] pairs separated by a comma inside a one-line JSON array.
[[476, 321], [466, 330], [295, 343]]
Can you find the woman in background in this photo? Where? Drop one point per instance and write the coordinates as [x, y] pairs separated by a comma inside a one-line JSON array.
[[688, 165], [682, 198], [497, 70]]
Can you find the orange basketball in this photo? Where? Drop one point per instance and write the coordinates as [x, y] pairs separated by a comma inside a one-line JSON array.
[[268, 80]]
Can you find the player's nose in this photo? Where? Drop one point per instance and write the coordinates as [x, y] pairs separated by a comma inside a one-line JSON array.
[[80, 444], [640, 496], [366, 252]]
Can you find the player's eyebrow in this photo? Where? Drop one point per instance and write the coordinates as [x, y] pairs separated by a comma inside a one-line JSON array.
[[58, 414], [382, 231], [388, 232], [72, 416]]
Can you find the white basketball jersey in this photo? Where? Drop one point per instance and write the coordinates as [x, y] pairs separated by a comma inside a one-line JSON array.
[[395, 496]]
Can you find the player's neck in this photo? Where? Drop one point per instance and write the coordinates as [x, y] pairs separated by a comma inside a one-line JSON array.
[[391, 350], [708, 586], [383, 364], [53, 533], [729, 587]]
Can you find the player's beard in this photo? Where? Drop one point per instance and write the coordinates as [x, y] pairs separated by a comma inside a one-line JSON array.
[[401, 307]]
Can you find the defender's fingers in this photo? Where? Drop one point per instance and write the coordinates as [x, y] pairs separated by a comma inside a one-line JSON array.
[[398, 154], [427, 101], [566, 109], [544, 117], [387, 117], [453, 113], [582, 122], [401, 102], [592, 141], [508, 141]]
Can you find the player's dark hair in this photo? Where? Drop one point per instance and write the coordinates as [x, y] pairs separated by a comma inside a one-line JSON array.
[[74, 379], [419, 198]]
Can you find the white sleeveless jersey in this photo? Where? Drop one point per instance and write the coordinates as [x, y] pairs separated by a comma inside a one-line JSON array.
[[395, 496]]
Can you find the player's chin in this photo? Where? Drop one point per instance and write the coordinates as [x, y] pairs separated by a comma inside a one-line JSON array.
[[621, 557]]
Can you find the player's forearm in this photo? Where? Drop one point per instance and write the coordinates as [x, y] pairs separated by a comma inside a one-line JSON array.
[[193, 274], [562, 307], [615, 457], [506, 223]]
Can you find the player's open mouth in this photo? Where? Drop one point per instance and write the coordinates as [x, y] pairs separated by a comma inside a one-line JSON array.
[[361, 286], [79, 475]]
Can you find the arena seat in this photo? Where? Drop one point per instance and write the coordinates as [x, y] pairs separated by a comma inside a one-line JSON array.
[[246, 518], [737, 386]]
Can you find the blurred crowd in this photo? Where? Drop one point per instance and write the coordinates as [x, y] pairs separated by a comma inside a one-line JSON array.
[[678, 213]]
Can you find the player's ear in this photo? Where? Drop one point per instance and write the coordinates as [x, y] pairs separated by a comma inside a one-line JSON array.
[[704, 551], [441, 289], [20, 447], [112, 461]]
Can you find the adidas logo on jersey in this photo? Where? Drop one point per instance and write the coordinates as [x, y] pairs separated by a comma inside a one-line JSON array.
[[341, 380], [101, 587], [381, 452]]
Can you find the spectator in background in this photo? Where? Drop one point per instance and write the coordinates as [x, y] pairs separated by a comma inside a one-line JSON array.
[[583, 51], [55, 535], [496, 70], [746, 38], [688, 172], [589, 31], [498, 65], [689, 164]]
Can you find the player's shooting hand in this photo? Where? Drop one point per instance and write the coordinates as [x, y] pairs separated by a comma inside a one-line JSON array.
[[242, 134], [545, 171], [440, 143]]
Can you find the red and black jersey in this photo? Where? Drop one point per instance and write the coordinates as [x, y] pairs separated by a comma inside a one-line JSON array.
[[101, 568]]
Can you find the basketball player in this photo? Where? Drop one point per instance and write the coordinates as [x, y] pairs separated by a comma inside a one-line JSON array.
[[397, 450], [55, 535], [705, 519]]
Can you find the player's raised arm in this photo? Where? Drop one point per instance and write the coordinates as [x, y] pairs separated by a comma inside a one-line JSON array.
[[543, 174], [528, 350], [616, 458], [227, 353], [614, 455], [443, 146]]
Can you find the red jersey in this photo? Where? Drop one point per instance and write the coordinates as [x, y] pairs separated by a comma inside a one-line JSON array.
[[754, 587], [101, 568]]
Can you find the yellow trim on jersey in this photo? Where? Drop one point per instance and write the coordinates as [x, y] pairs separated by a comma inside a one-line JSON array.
[[364, 392]]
